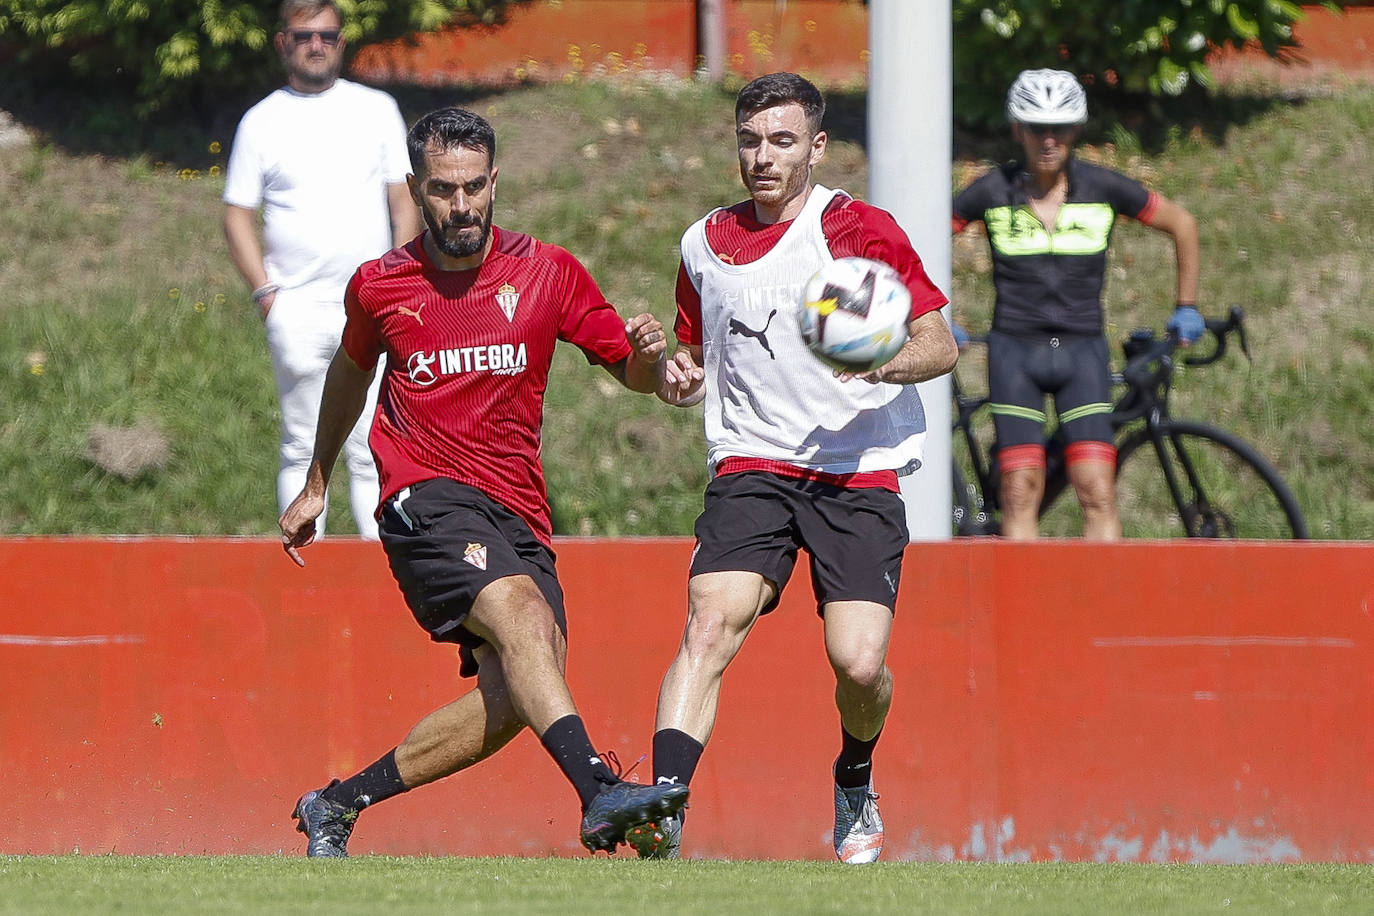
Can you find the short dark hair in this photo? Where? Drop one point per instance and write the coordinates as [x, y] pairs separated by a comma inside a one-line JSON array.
[[311, 8], [781, 89], [449, 128]]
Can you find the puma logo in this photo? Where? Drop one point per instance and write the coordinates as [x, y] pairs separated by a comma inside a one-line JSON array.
[[728, 258], [761, 335], [413, 313]]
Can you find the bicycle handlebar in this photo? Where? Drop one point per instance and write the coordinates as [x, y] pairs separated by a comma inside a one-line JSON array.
[[1149, 357], [1144, 346], [1221, 329]]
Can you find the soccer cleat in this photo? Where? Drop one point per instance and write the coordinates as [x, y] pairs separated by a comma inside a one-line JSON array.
[[660, 839], [620, 806], [326, 824], [858, 826]]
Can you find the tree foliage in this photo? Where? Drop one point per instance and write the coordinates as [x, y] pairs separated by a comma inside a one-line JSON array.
[[1154, 47], [162, 54], [169, 52]]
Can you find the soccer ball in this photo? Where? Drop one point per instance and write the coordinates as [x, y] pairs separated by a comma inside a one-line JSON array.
[[854, 314]]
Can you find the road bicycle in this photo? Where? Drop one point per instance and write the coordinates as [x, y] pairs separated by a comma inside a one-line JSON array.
[[1174, 476]]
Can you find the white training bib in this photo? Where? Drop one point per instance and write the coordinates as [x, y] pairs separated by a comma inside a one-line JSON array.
[[766, 395]]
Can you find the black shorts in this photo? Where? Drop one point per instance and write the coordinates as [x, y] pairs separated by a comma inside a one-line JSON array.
[[755, 521], [1073, 369], [446, 542]]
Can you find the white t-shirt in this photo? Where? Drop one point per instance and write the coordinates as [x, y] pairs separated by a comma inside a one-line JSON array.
[[766, 395], [318, 165]]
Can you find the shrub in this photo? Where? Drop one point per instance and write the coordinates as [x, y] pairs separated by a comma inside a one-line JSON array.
[[1122, 47], [166, 53]]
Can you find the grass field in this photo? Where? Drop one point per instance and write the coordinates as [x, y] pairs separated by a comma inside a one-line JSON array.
[[108, 884], [140, 395]]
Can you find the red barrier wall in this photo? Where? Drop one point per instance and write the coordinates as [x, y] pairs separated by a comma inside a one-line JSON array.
[[1139, 702], [827, 40]]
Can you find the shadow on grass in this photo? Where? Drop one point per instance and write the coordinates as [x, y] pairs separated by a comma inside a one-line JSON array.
[[1153, 122], [104, 121]]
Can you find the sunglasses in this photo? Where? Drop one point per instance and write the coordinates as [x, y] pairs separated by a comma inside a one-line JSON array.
[[304, 36], [1058, 131]]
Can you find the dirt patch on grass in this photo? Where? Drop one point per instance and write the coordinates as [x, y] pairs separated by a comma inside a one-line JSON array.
[[128, 452]]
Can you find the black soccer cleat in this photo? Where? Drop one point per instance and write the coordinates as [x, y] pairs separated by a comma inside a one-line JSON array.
[[622, 805], [326, 824]]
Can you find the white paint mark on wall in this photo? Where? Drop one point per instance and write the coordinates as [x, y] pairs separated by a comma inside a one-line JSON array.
[[1224, 642], [112, 639], [994, 842]]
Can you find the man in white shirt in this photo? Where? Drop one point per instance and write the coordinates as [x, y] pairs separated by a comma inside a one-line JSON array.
[[326, 160]]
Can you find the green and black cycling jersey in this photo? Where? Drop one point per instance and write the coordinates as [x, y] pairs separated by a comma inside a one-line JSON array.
[[1050, 282]]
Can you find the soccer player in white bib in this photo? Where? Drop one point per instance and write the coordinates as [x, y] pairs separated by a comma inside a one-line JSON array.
[[801, 457], [325, 159]]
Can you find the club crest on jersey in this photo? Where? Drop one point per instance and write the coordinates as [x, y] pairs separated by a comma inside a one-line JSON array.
[[508, 297], [476, 554]]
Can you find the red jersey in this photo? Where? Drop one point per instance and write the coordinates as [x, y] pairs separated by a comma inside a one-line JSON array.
[[852, 229], [467, 362]]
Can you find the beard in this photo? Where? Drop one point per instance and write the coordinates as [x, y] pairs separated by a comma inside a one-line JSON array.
[[317, 75], [460, 247], [786, 185]]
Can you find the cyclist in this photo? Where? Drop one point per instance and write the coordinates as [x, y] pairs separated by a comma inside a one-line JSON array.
[[1049, 222]]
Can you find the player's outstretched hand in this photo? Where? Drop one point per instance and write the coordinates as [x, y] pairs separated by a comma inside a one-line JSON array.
[[646, 336], [298, 524], [683, 380]]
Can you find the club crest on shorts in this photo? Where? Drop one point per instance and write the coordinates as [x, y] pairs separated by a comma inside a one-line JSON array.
[[507, 297], [476, 554]]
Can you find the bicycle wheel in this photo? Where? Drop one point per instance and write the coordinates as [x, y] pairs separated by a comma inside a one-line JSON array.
[[1225, 488], [970, 515]]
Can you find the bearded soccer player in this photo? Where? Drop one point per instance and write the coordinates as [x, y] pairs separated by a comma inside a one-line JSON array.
[[801, 457], [465, 318]]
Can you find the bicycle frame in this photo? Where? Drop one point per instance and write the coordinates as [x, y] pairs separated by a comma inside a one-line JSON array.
[[1148, 377]]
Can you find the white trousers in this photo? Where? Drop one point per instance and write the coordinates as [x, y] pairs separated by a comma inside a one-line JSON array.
[[303, 335]]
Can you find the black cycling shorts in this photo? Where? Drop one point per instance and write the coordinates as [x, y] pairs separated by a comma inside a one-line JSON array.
[[756, 521], [1073, 369], [447, 541]]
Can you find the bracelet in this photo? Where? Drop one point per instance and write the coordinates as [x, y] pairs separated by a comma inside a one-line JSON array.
[[262, 292]]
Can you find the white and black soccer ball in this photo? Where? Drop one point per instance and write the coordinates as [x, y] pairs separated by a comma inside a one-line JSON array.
[[854, 314]]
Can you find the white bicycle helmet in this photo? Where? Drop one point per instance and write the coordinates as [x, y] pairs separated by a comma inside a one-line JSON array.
[[1046, 97]]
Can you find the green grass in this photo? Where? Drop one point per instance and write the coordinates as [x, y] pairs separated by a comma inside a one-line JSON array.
[[121, 309], [102, 884]]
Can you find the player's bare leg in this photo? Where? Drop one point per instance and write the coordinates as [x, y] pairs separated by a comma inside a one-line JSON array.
[[1095, 484], [512, 615], [1019, 495], [451, 738], [466, 731], [722, 609], [856, 639]]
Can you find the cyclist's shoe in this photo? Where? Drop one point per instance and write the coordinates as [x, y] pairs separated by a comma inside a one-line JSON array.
[[622, 805], [858, 826], [326, 824], [658, 839]]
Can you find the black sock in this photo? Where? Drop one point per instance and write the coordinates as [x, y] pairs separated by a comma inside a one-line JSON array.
[[376, 783], [675, 756], [567, 742], [854, 767]]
